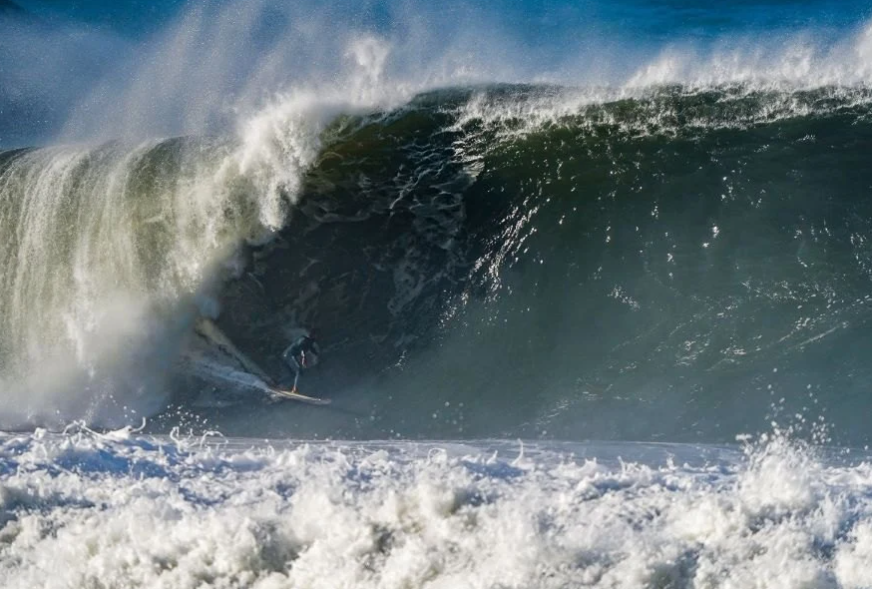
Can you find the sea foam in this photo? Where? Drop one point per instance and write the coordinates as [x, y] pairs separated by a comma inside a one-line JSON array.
[[83, 510]]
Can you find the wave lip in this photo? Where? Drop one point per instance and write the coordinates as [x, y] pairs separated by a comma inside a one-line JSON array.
[[127, 511]]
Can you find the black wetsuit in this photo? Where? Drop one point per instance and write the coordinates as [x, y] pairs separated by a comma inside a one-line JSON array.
[[302, 354]]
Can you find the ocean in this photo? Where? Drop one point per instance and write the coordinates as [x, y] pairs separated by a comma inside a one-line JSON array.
[[590, 281]]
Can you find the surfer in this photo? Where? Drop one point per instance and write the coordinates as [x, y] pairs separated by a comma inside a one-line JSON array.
[[302, 355]]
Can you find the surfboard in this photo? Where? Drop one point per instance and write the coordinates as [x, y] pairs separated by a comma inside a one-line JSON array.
[[298, 397]]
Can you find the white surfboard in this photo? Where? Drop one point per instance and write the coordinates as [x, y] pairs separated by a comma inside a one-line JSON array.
[[219, 373], [298, 397]]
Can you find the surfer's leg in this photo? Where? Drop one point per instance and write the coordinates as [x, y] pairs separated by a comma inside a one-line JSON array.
[[296, 378]]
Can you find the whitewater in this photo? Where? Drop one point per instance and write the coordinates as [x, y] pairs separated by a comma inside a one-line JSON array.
[[592, 283], [119, 510]]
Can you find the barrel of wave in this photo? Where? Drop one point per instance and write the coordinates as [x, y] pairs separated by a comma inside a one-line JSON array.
[[113, 252]]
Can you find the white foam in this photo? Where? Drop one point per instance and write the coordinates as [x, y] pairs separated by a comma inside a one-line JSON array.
[[786, 76], [800, 61], [124, 511]]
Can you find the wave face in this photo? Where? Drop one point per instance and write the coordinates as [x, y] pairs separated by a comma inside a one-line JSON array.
[[674, 264], [667, 242], [681, 264], [668, 264]]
